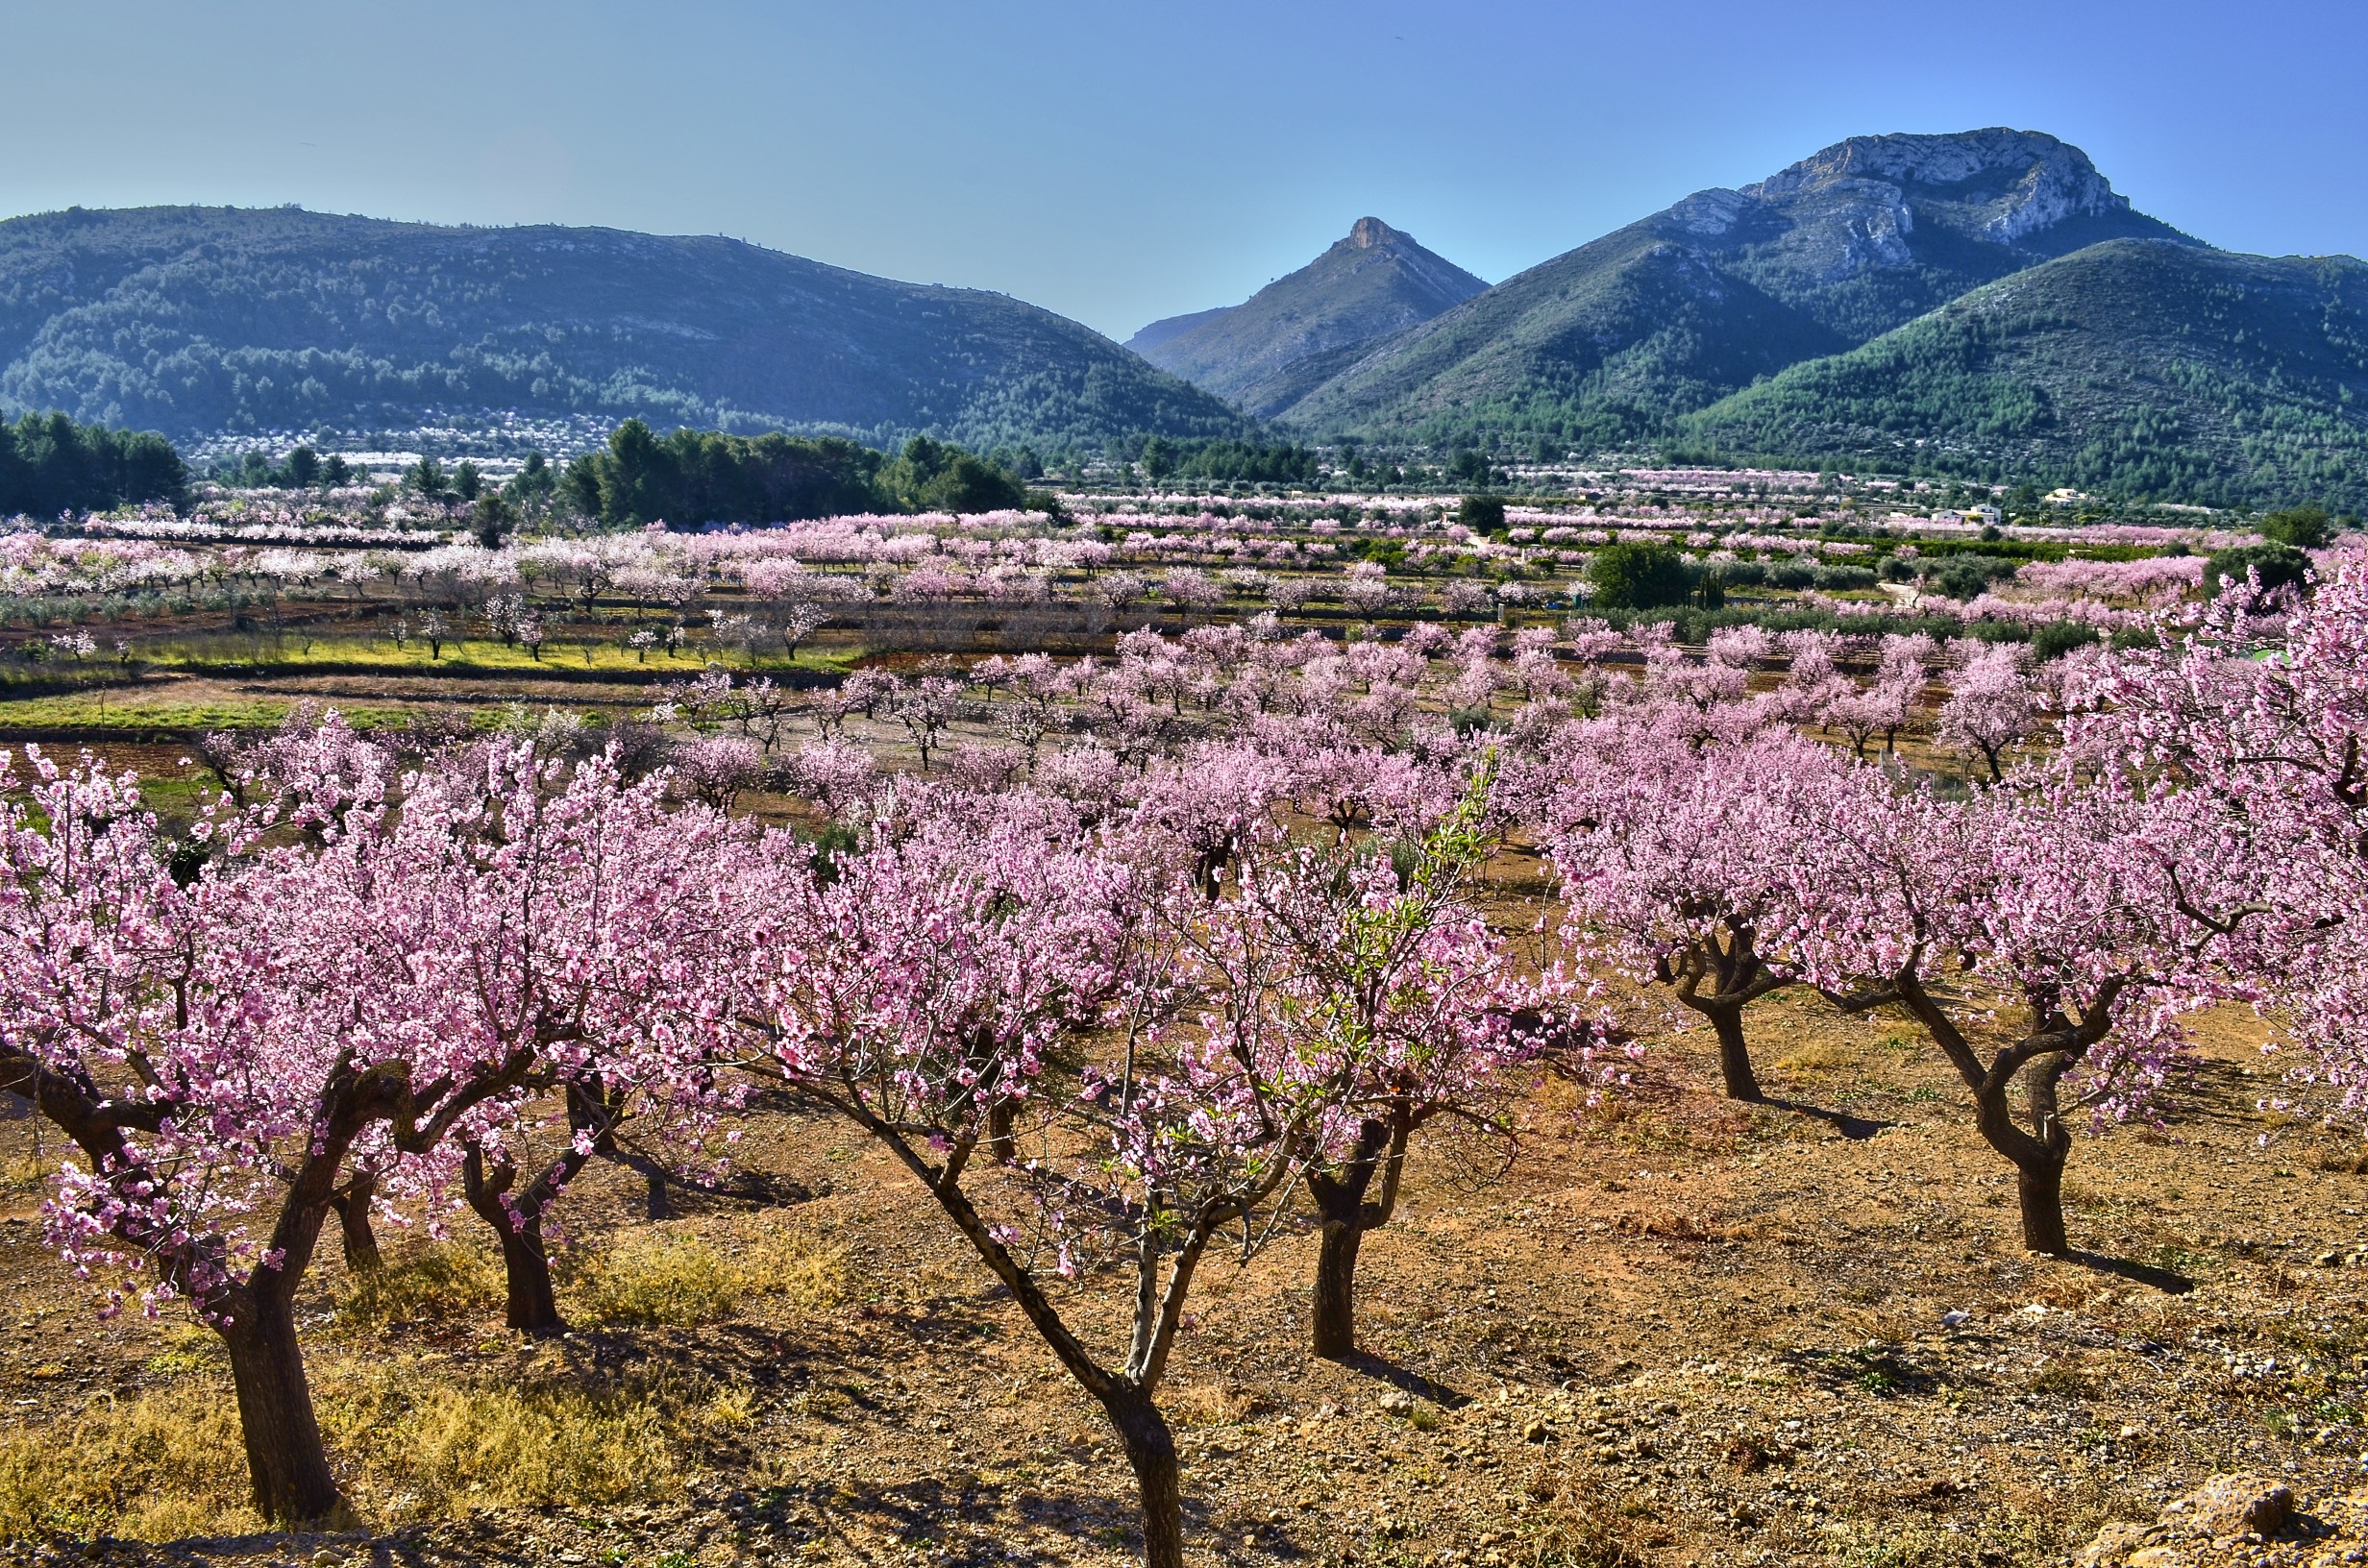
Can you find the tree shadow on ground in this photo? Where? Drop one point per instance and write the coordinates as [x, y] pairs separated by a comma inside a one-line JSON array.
[[914, 1514], [1857, 1129], [1405, 1380], [1879, 1369], [2169, 1281]]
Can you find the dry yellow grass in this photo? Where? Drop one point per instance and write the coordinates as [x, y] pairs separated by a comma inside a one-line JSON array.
[[156, 1468], [672, 1277], [445, 1280], [411, 1442], [429, 1448], [1819, 1056]]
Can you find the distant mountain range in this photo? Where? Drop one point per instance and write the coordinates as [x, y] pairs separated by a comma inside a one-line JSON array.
[[198, 321], [1983, 305], [1265, 354], [1602, 344]]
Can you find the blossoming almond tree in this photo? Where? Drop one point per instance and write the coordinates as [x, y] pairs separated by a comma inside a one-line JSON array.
[[1392, 993], [1683, 859], [927, 985], [2252, 736], [1992, 707], [592, 929], [211, 1053], [2044, 898]]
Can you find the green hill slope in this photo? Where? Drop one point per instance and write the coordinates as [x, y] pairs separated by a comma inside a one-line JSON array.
[[1605, 344], [2138, 368], [198, 321], [1374, 281]]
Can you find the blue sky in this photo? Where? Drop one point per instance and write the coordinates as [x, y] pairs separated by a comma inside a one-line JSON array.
[[1117, 161]]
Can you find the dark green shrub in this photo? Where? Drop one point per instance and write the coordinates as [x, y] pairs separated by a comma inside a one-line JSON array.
[[1630, 577], [1482, 514], [2305, 527], [2279, 566], [1967, 576], [2057, 638]]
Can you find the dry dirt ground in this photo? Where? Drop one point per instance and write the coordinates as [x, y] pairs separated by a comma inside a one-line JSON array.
[[1675, 1331]]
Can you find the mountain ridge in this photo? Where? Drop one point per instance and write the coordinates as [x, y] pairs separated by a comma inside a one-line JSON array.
[[1609, 341], [201, 320], [1372, 282], [2134, 367]]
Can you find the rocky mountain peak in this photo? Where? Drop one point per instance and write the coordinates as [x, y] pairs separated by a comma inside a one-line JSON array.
[[1373, 282], [2007, 183]]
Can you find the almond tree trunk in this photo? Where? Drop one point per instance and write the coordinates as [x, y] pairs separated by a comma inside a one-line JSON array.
[[1339, 1199], [1151, 1452], [362, 1241], [286, 1463], [2039, 1149], [531, 1306], [2039, 1186], [1734, 1055], [2040, 1157], [1336, 1290]]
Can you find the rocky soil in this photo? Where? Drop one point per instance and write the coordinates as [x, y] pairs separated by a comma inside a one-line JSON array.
[[1675, 1332]]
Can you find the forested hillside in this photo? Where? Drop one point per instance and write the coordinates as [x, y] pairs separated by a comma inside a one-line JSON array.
[[1606, 344], [197, 321], [2138, 368]]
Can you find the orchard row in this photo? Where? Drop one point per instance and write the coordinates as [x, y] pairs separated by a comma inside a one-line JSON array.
[[1118, 1003]]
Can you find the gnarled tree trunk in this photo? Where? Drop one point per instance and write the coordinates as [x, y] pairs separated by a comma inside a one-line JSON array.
[[1336, 1289], [286, 1464], [352, 1201], [2040, 1187], [594, 1112], [1345, 1217], [531, 1306], [1718, 981], [1734, 1055], [2039, 1156], [2039, 1149]]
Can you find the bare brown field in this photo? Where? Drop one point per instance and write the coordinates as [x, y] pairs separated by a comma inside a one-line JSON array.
[[1675, 1331]]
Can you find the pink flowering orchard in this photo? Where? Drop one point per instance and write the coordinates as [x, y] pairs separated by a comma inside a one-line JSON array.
[[211, 1052], [2044, 898], [1684, 860], [2250, 734], [920, 988], [1189, 939]]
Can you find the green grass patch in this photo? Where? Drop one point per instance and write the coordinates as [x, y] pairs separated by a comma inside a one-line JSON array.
[[139, 713], [356, 653]]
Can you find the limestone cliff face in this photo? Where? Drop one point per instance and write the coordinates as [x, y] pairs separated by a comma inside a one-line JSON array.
[[1996, 186]]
